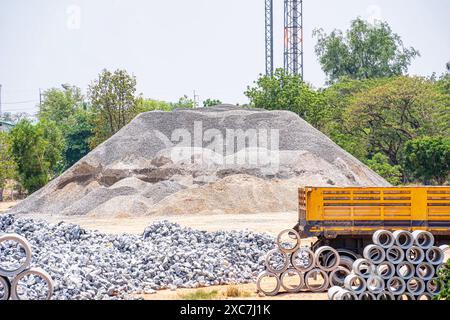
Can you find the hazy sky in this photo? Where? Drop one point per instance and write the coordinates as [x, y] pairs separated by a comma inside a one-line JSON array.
[[215, 47]]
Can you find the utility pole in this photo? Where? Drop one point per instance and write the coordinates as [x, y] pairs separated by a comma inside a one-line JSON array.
[[40, 98]]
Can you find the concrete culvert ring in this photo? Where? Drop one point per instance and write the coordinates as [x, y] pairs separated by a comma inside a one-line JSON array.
[[435, 256], [338, 275], [327, 258], [292, 281], [268, 283], [16, 255], [346, 295], [317, 280], [416, 286], [374, 253], [433, 286], [415, 255], [367, 296], [396, 285], [395, 255], [406, 270], [423, 239], [440, 267], [288, 241], [385, 296], [375, 284], [383, 238], [333, 291], [364, 268], [406, 296], [403, 239], [355, 283], [425, 297], [303, 259], [5, 288], [277, 261], [22, 288], [385, 270], [346, 262], [425, 271]]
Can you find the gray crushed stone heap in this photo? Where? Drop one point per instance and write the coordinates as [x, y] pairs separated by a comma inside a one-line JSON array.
[[138, 171], [93, 265]]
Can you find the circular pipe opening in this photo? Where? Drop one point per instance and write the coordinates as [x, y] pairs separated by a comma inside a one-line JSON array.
[[396, 285], [403, 239], [415, 255], [303, 259], [406, 270], [327, 258], [395, 255], [288, 241], [385, 270], [277, 261], [292, 281], [268, 283], [317, 280]]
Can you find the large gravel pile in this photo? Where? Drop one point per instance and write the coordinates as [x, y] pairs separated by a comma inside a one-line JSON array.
[[144, 170], [92, 265]]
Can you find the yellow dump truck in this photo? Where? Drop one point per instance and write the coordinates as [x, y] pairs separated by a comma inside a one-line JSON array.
[[345, 218]]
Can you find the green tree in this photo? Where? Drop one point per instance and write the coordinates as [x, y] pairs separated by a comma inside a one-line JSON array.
[[37, 151], [444, 281], [389, 115], [146, 105], [113, 99], [380, 164], [184, 103], [211, 102], [59, 104], [365, 51], [428, 159], [284, 91], [7, 163]]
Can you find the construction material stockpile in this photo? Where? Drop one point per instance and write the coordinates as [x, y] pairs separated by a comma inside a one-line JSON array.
[[16, 276], [397, 266], [218, 160], [86, 265], [295, 268]]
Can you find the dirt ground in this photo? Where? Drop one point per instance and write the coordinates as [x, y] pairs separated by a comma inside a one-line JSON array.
[[271, 223]]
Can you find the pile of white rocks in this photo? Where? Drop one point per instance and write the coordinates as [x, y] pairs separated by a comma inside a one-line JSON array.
[[295, 268], [92, 265], [398, 265]]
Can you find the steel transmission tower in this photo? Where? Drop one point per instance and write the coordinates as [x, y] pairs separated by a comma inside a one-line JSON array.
[[293, 37], [269, 37]]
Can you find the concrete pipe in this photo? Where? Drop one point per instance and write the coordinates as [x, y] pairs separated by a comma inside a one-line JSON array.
[[327, 258], [396, 285], [303, 259], [288, 241], [406, 296], [385, 270], [416, 286], [423, 239], [346, 295], [406, 270], [338, 275], [383, 238], [16, 293], [355, 283], [273, 289], [403, 239], [395, 254], [440, 267], [333, 291], [277, 261], [375, 284], [367, 296], [289, 284], [25, 245], [385, 296], [363, 268], [415, 255], [425, 271], [435, 256], [5, 288], [374, 253], [433, 286], [425, 297], [444, 247], [316, 280]]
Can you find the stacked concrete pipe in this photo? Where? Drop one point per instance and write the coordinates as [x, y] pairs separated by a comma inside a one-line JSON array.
[[11, 278], [398, 265], [291, 259]]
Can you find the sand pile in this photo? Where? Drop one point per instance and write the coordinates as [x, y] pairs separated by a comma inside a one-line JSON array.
[[217, 160]]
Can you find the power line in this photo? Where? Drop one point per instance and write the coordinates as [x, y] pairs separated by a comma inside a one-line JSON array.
[[19, 102]]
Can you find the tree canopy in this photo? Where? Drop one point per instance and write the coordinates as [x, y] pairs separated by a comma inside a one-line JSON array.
[[364, 51]]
